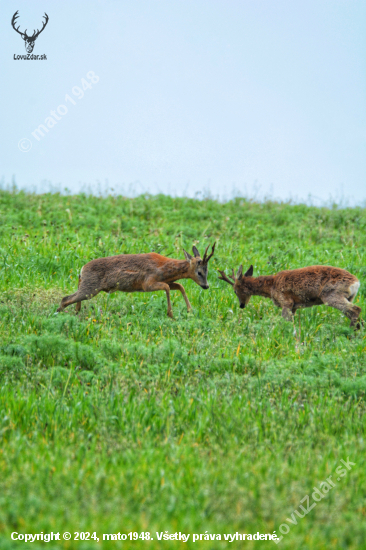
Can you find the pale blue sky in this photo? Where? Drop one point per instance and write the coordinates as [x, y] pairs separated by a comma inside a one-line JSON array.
[[192, 96]]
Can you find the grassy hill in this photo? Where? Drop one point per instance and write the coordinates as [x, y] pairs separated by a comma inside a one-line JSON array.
[[122, 420]]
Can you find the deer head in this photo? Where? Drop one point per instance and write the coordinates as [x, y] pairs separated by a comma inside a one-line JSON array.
[[28, 40], [242, 290], [199, 266]]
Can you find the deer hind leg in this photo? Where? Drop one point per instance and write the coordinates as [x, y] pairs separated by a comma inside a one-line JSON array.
[[150, 286], [177, 286], [339, 301], [78, 304], [77, 298]]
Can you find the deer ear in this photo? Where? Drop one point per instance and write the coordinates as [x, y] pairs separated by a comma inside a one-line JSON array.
[[187, 256], [249, 273], [240, 272], [195, 252]]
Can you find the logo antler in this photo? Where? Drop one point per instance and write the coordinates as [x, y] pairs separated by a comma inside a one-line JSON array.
[[13, 21], [29, 40], [34, 36]]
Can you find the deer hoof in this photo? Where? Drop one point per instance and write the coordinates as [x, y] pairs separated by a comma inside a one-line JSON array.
[[357, 324]]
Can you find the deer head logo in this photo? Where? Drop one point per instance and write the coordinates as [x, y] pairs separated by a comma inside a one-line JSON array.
[[28, 40]]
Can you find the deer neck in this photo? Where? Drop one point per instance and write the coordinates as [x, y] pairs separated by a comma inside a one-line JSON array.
[[261, 286], [176, 269]]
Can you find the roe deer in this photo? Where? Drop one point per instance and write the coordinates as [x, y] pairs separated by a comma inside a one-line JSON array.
[[139, 273], [296, 288]]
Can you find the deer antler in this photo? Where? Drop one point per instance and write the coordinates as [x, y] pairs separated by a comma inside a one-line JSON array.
[[206, 258], [224, 278], [34, 35], [13, 21]]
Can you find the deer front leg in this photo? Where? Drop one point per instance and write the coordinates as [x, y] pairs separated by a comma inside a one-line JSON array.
[[287, 313], [150, 286], [177, 286], [287, 305]]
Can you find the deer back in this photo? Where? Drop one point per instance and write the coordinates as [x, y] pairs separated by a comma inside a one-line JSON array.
[[312, 282], [128, 272]]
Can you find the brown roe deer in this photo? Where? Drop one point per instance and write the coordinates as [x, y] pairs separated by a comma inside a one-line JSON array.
[[298, 288], [139, 273]]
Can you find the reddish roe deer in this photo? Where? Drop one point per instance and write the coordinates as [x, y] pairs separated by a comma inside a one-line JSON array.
[[139, 273], [297, 288]]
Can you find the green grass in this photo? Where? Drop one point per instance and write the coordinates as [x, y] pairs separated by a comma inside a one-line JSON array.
[[123, 420]]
